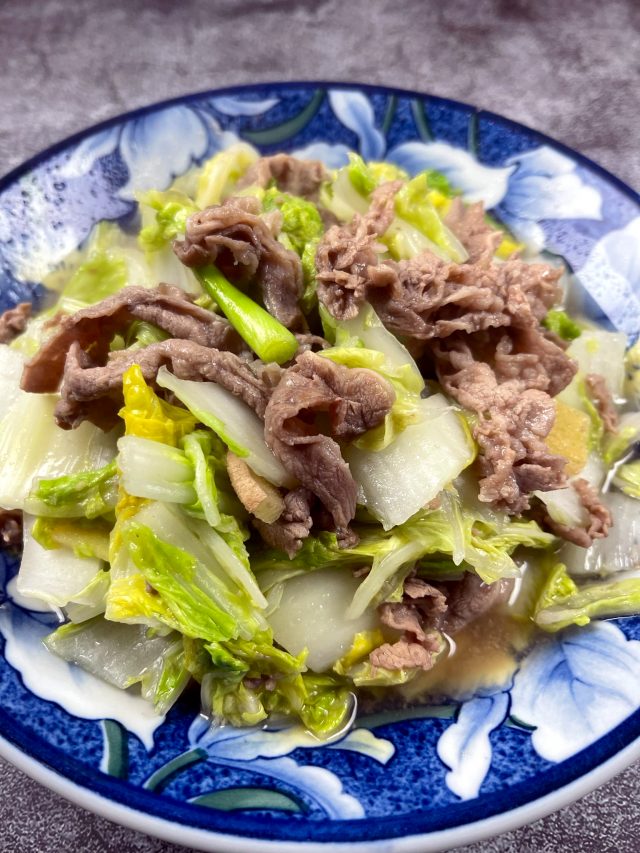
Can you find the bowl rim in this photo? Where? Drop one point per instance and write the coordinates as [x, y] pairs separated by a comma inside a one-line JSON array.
[[215, 840], [57, 147]]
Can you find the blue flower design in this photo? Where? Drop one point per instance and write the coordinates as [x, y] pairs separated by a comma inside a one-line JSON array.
[[354, 110], [476, 181], [541, 184], [155, 147], [24, 623], [236, 105], [611, 275], [570, 690], [545, 185], [576, 687], [465, 747], [266, 751], [332, 155]]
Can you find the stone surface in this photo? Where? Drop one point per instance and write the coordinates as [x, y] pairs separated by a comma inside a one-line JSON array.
[[570, 69]]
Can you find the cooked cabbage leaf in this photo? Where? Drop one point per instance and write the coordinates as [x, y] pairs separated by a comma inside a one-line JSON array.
[[301, 222], [399, 476], [559, 322], [414, 206], [219, 175], [230, 418], [147, 416], [562, 602], [170, 210], [58, 576], [126, 655], [627, 478], [89, 494]]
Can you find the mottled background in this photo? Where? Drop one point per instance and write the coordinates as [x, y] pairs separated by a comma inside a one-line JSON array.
[[570, 69]]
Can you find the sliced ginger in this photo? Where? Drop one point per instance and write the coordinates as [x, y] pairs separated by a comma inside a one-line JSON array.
[[570, 437], [257, 495]]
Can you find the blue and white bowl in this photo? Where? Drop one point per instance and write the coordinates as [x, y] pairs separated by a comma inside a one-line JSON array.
[[424, 779]]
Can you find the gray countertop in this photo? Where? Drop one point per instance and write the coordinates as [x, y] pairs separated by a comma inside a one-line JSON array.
[[570, 69]]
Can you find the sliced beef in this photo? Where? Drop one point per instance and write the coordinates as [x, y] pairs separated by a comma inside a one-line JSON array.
[[381, 211], [469, 224], [289, 174], [512, 422], [402, 617], [446, 606], [315, 343], [492, 356], [93, 329], [343, 258], [427, 611], [240, 242], [293, 526], [352, 400], [347, 253], [94, 393], [14, 321], [469, 598], [599, 517], [600, 394], [533, 359], [426, 297], [10, 528], [407, 653]]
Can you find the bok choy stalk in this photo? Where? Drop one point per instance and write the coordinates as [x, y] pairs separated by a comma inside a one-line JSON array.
[[267, 337], [125, 655]]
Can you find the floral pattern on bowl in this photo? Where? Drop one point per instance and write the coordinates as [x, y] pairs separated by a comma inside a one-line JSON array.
[[575, 699]]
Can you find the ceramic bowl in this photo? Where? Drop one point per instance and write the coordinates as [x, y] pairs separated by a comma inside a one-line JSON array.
[[416, 780]]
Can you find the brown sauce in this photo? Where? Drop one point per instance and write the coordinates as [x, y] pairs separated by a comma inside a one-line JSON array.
[[483, 654]]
